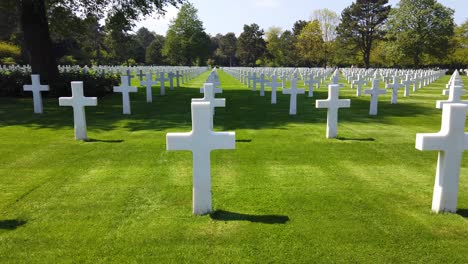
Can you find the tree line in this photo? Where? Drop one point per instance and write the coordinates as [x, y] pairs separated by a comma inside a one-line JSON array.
[[415, 33]]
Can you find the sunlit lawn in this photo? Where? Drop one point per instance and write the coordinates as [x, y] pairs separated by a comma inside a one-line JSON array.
[[285, 194]]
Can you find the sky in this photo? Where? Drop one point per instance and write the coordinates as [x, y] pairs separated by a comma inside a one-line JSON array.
[[223, 16]]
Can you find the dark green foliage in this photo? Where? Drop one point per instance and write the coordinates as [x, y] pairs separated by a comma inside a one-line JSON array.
[[250, 45], [421, 27], [361, 24], [186, 41], [154, 51], [11, 84]]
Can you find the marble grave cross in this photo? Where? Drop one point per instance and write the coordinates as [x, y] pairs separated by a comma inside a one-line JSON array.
[[311, 81], [394, 86], [333, 103], [274, 86], [125, 89], [407, 84], [455, 94], [374, 93], [209, 96], [78, 101], [451, 142], [36, 88], [293, 91], [148, 83], [201, 141], [359, 82], [162, 80]]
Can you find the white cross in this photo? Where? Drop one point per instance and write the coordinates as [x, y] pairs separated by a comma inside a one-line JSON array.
[[293, 91], [333, 103], [394, 86], [162, 81], [170, 75], [360, 81], [254, 81], [311, 81], [209, 96], [125, 89], [201, 141], [141, 75], [36, 88], [451, 142], [262, 81], [407, 83], [177, 76], [130, 76], [456, 92], [274, 85], [374, 92], [78, 101], [148, 83]]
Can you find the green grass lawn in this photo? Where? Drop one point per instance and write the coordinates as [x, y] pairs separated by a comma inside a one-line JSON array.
[[285, 194]]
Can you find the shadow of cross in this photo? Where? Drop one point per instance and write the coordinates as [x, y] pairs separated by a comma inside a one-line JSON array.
[[201, 141], [451, 142]]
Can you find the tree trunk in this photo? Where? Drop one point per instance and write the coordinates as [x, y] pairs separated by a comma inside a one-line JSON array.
[[37, 39]]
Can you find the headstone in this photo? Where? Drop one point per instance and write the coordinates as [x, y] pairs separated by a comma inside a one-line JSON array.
[[274, 86], [125, 89], [310, 82], [407, 84], [262, 81], [394, 86], [333, 103], [201, 141], [170, 75], [78, 101], [130, 76], [209, 96], [177, 76], [148, 83], [455, 94], [374, 93], [359, 82], [451, 142], [293, 91], [36, 88], [162, 80], [141, 75]]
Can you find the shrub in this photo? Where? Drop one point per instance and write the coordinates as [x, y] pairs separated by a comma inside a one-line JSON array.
[[11, 83], [9, 50]]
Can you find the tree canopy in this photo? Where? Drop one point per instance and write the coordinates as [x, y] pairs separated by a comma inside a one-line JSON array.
[[362, 24]]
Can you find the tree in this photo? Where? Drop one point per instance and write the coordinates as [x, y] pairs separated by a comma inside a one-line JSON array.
[[273, 46], [421, 27], [154, 51], [288, 48], [144, 37], [459, 56], [228, 45], [250, 45], [328, 20], [186, 41], [310, 44], [361, 24], [35, 26], [298, 26]]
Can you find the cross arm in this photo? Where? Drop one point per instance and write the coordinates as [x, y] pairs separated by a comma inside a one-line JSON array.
[[222, 140], [179, 141], [431, 141]]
